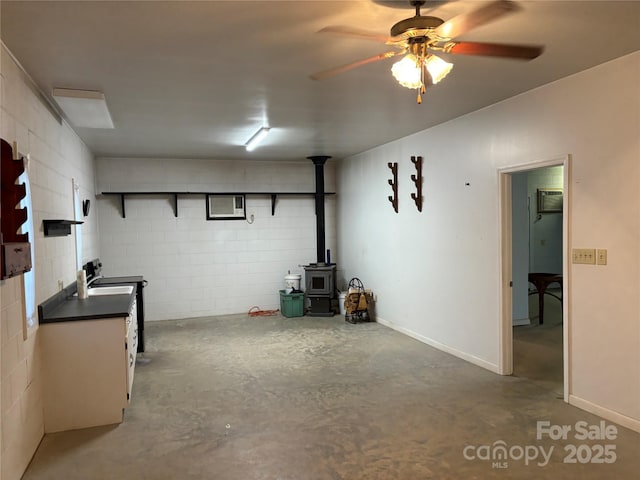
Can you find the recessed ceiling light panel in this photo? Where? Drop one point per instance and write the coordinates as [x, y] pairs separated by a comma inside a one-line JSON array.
[[84, 108]]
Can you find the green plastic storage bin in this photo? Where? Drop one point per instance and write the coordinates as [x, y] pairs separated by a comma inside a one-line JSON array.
[[291, 304]]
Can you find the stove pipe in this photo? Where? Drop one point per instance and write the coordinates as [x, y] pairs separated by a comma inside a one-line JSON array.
[[319, 161]]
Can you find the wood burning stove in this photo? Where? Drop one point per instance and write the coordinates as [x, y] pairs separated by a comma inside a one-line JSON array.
[[320, 281], [320, 277]]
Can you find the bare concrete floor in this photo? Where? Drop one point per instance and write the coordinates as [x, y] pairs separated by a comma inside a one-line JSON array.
[[538, 349], [239, 398]]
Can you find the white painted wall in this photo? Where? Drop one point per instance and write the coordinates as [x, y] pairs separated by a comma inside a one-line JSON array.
[[57, 156], [436, 272], [196, 267]]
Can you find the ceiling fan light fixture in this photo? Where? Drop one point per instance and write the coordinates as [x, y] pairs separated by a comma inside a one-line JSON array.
[[437, 68], [408, 71]]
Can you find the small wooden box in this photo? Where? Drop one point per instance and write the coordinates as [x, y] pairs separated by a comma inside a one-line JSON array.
[[16, 259]]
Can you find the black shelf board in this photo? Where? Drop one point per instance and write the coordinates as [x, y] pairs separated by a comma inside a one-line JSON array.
[[273, 195], [215, 193], [58, 228]]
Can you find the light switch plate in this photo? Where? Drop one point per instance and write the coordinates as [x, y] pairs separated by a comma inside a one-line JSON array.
[[584, 256], [601, 255]]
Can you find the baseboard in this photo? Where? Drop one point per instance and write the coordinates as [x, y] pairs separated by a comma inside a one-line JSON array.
[[620, 419], [519, 322], [440, 346]]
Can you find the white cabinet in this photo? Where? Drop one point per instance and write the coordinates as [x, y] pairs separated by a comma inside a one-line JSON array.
[[87, 369]]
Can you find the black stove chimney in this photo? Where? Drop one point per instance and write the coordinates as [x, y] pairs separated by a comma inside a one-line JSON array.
[[319, 161]]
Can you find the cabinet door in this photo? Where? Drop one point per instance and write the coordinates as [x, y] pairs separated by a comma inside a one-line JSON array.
[[84, 373]]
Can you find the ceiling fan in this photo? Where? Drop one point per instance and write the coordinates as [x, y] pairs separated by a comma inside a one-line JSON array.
[[418, 36]]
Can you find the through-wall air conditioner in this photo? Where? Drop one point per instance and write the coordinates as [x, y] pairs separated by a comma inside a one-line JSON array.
[[226, 207], [550, 200]]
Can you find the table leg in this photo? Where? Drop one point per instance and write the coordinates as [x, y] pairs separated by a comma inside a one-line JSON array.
[[541, 281], [541, 289]]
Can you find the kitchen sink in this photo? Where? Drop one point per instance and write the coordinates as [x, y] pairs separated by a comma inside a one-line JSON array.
[[116, 290]]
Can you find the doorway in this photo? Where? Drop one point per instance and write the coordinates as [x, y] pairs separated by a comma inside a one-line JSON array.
[[536, 236], [534, 239]]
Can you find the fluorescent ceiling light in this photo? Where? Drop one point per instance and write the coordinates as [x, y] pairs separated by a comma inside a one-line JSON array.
[[257, 138], [84, 108]]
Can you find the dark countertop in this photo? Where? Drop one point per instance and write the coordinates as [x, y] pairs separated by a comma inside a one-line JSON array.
[[64, 307]]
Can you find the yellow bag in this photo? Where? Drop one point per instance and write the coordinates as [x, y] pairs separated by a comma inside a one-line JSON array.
[[362, 302]]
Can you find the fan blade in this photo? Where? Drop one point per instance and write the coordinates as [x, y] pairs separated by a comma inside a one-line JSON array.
[[468, 21], [355, 32], [522, 52], [335, 71]]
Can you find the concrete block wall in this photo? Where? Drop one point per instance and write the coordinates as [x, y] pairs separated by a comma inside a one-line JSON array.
[[196, 267], [22, 410], [56, 157]]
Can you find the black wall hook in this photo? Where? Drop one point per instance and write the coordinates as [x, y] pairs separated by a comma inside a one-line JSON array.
[[394, 185], [416, 178]]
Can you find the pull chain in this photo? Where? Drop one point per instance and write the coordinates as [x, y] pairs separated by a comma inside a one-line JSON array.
[[421, 89]]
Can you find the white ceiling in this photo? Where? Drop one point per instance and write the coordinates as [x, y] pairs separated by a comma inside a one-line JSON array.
[[196, 79]]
